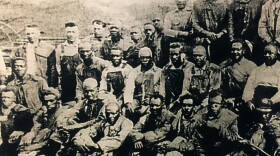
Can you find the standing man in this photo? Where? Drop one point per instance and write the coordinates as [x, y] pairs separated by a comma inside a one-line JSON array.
[[142, 82], [40, 56], [115, 40], [137, 42], [67, 60], [96, 38], [201, 78], [28, 88], [91, 66], [178, 23], [210, 21], [113, 79], [174, 70]]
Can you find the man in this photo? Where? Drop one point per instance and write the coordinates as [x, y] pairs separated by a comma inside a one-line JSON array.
[[210, 21], [115, 40], [68, 59], [137, 42], [217, 127], [36, 141], [96, 38], [142, 82], [183, 139], [28, 88], [174, 70], [105, 137], [259, 86], [92, 66], [269, 22], [114, 78], [201, 78], [243, 23], [178, 23], [15, 120], [161, 42], [235, 72], [40, 56], [152, 129]]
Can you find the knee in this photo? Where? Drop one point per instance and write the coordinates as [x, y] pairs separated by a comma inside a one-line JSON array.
[[173, 153]]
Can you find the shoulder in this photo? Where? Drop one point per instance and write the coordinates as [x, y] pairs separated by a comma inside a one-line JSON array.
[[228, 115], [167, 114], [225, 63], [36, 78]]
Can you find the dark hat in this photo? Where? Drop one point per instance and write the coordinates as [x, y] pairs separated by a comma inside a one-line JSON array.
[[175, 45], [70, 24]]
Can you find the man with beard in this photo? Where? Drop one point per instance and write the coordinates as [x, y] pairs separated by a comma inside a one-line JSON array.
[[264, 81], [92, 66], [183, 139], [201, 78], [15, 120], [142, 82], [96, 38], [28, 88], [105, 137], [174, 70], [217, 127], [113, 78], [136, 43], [115, 40], [40, 56], [152, 129], [178, 23], [44, 120], [210, 21], [68, 59]]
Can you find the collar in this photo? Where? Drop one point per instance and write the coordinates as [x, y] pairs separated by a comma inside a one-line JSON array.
[[24, 79], [153, 68], [75, 43], [184, 10]]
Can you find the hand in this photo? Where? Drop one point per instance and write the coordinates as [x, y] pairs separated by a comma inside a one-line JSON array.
[[81, 145], [212, 36], [71, 121], [27, 138], [3, 118], [15, 136], [266, 101], [129, 107], [250, 105], [138, 145], [230, 102], [183, 34], [219, 35]]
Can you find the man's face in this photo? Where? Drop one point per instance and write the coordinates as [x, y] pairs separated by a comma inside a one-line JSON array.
[[112, 114], [187, 107], [85, 53], [215, 108], [200, 59], [135, 35], [149, 31], [181, 4], [97, 30], [50, 101], [145, 59], [72, 33], [116, 57], [114, 31], [175, 55], [237, 51], [155, 106], [90, 93], [32, 34], [8, 98], [270, 55], [19, 68], [157, 23]]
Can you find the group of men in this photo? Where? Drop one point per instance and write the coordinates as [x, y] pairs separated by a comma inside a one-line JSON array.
[[203, 81]]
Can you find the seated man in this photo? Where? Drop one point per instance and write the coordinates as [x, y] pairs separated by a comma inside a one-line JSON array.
[[105, 137], [152, 128], [83, 115], [44, 121], [15, 119], [217, 127], [183, 139]]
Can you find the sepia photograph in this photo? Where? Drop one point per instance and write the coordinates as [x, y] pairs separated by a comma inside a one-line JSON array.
[[139, 78]]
